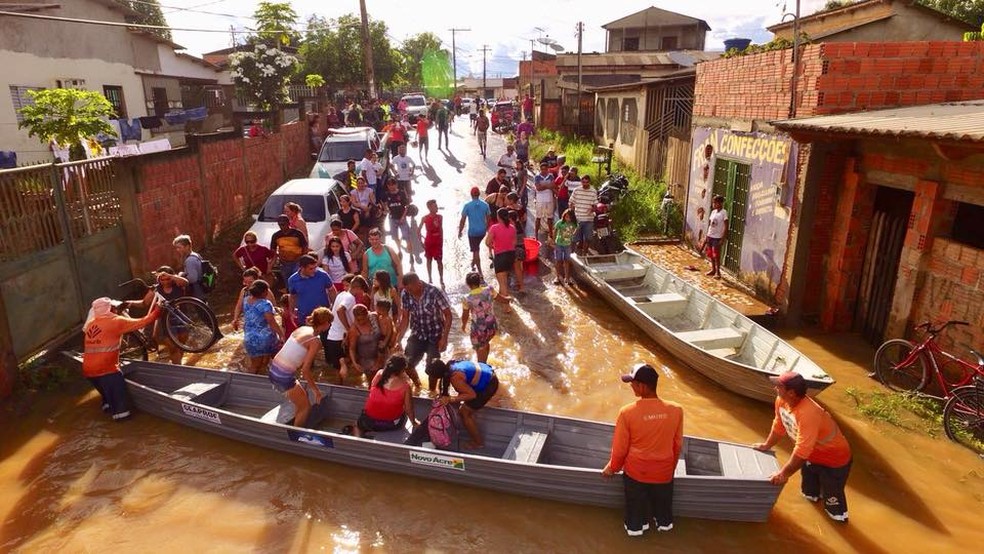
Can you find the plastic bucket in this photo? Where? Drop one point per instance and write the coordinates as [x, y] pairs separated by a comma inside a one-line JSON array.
[[532, 249]]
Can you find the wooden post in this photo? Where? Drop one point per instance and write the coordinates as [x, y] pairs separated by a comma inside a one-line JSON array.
[[8, 360]]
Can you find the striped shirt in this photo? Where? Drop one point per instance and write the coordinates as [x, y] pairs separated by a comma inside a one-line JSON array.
[[583, 201]]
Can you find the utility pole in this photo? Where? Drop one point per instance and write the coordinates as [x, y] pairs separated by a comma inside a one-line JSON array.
[[580, 33], [454, 56], [367, 51], [796, 45], [485, 51]]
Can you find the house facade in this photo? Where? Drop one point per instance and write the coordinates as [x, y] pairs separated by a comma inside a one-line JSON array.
[[875, 21], [655, 30]]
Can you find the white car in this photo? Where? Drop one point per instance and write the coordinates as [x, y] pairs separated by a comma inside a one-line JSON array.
[[344, 144], [466, 104], [318, 199], [416, 106]]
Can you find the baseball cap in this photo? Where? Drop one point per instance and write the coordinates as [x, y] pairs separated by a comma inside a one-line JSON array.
[[789, 379], [643, 374], [475, 191]]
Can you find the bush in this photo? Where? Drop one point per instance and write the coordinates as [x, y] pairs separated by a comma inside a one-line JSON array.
[[639, 212]]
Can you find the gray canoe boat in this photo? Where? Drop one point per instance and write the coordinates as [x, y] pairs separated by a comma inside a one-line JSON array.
[[703, 332], [537, 455]]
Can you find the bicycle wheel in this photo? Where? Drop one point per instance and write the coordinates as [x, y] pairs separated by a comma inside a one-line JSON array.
[[191, 324], [133, 347], [911, 377], [963, 417]]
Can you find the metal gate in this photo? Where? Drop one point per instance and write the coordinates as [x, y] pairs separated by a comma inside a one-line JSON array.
[[881, 262], [731, 180], [61, 245]]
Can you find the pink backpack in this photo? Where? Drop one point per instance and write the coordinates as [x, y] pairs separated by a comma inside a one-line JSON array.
[[440, 426]]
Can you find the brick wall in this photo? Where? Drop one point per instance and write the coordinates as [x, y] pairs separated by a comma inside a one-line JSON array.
[[821, 231], [839, 78], [953, 289], [211, 186]]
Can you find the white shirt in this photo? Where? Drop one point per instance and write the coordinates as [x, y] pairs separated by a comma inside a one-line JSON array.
[[544, 196], [371, 170], [404, 167], [718, 219], [508, 163], [583, 200], [347, 300]]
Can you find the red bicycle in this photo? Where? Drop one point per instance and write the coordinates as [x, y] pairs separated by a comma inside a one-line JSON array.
[[906, 367], [963, 416]]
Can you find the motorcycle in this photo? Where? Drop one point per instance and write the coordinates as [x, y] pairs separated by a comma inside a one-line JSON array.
[[605, 241], [613, 189]]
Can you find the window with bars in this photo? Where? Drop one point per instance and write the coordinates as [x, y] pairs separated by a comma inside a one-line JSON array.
[[20, 99], [114, 94]]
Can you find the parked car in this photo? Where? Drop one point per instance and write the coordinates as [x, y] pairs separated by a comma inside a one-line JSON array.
[[466, 104], [344, 144], [318, 199], [416, 106]]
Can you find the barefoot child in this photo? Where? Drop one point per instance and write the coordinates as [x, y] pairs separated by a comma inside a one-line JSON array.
[[433, 222], [562, 236], [477, 306]]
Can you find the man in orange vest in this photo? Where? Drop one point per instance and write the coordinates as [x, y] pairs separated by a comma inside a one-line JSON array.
[[101, 359], [821, 450], [646, 446]]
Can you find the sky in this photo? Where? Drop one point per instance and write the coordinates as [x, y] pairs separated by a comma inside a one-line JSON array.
[[505, 26]]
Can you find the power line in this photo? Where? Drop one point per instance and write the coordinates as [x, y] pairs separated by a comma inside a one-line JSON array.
[[191, 10], [139, 25]]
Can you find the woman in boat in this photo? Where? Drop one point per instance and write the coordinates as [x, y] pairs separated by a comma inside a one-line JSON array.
[[262, 334], [298, 353], [475, 383], [364, 337], [390, 403]]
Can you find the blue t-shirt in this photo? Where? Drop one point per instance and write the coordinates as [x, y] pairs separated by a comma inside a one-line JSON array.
[[311, 292], [477, 213]]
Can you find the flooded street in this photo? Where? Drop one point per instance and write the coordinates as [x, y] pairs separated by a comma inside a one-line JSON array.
[[72, 481]]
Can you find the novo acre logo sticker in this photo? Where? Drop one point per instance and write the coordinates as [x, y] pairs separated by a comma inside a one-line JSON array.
[[437, 460]]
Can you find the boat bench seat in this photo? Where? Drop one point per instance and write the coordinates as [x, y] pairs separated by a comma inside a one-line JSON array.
[[713, 339], [723, 352], [526, 446], [667, 304], [282, 413], [209, 394], [620, 272]]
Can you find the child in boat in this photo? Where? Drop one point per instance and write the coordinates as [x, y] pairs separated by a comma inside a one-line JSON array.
[[387, 330]]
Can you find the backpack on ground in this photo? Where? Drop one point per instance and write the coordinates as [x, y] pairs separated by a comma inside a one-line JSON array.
[[210, 275], [440, 425]]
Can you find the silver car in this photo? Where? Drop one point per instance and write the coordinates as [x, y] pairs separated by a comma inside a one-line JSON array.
[[344, 144]]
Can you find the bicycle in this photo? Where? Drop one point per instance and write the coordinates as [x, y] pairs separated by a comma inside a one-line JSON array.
[[188, 322], [902, 366], [963, 415]]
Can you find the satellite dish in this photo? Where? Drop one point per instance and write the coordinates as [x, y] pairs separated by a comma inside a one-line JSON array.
[[553, 44], [556, 47]]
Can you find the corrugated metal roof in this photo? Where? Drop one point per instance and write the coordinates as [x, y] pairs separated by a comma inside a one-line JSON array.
[[953, 121]]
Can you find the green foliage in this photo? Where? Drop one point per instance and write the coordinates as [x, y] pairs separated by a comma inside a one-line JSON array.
[[777, 43], [414, 50], [639, 213], [333, 49], [905, 411], [971, 11], [314, 80], [66, 116], [151, 14], [275, 24], [263, 74], [972, 37], [835, 4], [39, 373]]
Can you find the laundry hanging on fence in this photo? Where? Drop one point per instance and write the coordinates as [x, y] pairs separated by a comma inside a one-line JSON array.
[[129, 130], [197, 114], [176, 117], [151, 122], [8, 160]]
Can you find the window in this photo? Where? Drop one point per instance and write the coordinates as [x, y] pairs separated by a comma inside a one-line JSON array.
[[20, 99], [968, 225], [70, 83], [115, 96], [611, 124], [630, 44], [668, 43], [160, 101]]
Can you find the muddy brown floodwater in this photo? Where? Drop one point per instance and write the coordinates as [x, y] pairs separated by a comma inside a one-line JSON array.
[[71, 481]]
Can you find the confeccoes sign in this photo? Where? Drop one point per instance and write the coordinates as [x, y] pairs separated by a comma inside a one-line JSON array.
[[437, 460], [201, 413]]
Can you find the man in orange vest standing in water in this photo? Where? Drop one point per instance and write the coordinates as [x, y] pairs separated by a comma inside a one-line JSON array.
[[820, 450], [101, 359], [647, 444]]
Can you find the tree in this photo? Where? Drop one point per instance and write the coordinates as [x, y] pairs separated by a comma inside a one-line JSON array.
[[333, 49], [314, 80], [66, 117], [150, 14], [971, 11], [263, 73], [413, 50], [275, 24]]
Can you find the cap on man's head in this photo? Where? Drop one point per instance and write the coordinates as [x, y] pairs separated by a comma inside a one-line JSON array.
[[790, 380], [475, 191], [644, 374]]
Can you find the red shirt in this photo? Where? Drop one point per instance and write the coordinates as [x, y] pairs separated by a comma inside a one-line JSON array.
[[433, 226], [258, 258], [383, 403], [503, 238], [422, 126]]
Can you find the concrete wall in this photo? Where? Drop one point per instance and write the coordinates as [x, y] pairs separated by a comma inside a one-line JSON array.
[[23, 69], [176, 65], [688, 37], [634, 153], [906, 23]]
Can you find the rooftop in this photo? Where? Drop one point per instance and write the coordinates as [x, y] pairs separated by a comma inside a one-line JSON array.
[[864, 5], [653, 16]]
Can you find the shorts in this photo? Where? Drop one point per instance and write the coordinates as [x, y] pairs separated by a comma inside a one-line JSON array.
[[417, 348], [112, 391], [714, 247], [398, 227], [562, 253], [434, 249], [520, 251], [367, 424], [481, 335], [475, 243], [544, 210], [281, 379], [483, 136], [504, 261], [583, 232], [483, 397], [422, 140], [334, 351]]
